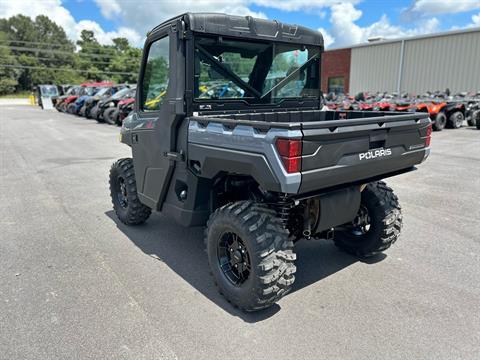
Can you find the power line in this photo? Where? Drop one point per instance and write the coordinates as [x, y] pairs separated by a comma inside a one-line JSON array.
[[29, 49], [60, 69], [89, 61], [58, 44], [34, 42]]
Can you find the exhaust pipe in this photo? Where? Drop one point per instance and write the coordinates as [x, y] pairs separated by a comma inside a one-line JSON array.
[[307, 227]]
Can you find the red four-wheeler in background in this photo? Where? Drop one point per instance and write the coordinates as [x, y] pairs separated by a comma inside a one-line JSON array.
[[443, 113], [262, 166]]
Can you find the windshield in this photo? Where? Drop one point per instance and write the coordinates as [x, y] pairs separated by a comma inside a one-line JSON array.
[[73, 90], [87, 90], [261, 71], [90, 90], [119, 94], [102, 91], [48, 90]]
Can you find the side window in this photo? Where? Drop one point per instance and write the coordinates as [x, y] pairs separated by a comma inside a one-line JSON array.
[[155, 79]]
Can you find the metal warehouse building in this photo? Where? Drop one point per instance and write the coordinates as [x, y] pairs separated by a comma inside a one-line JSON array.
[[415, 64]]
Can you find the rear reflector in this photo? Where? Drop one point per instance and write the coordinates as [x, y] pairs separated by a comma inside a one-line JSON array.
[[429, 135], [290, 151]]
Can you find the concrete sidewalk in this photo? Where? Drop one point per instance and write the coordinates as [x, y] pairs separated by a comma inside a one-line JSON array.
[[9, 102]]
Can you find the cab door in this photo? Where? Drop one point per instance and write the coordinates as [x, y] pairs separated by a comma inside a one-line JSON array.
[[152, 139]]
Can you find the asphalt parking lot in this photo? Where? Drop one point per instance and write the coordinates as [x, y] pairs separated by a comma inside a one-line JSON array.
[[76, 284]]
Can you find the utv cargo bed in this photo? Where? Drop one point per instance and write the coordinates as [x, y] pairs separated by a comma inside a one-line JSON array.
[[337, 147]]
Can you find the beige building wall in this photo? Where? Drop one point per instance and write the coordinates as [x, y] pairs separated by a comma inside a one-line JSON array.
[[432, 63]]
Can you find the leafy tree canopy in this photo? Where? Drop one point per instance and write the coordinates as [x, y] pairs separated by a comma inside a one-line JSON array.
[[38, 51]]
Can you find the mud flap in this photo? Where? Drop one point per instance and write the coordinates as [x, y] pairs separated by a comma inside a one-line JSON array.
[[338, 207]]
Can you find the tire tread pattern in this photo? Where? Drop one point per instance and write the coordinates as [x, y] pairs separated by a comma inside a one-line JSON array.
[[273, 251], [136, 212], [391, 222]]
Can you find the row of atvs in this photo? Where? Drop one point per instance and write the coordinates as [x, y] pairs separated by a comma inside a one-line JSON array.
[[111, 103], [445, 110], [103, 101]]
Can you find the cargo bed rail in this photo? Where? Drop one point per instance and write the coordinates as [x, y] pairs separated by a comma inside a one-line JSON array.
[[381, 120]]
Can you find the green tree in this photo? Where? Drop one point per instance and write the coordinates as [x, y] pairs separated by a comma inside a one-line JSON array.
[[47, 56], [127, 60], [38, 43], [8, 75]]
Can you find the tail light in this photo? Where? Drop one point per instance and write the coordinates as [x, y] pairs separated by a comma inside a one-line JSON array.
[[290, 151], [429, 135]]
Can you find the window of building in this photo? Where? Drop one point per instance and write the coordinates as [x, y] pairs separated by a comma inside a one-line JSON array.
[[336, 85]]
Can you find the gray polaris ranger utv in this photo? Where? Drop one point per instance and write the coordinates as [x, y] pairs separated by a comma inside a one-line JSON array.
[[229, 132]]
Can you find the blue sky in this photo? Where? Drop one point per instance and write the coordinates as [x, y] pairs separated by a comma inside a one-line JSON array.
[[342, 22]]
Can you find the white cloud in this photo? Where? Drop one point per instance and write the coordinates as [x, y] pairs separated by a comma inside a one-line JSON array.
[[436, 7], [476, 20], [143, 16], [345, 31], [60, 15], [138, 17], [104, 37], [328, 39], [109, 8], [297, 5]]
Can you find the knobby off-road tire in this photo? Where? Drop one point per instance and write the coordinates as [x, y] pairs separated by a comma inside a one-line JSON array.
[[71, 108], [108, 116], [455, 120], [123, 190], [90, 114], [385, 223], [440, 122], [82, 110], [268, 259], [476, 118], [97, 114]]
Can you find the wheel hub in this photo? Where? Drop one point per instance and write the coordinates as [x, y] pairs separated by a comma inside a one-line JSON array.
[[122, 193], [237, 257], [361, 223], [233, 258]]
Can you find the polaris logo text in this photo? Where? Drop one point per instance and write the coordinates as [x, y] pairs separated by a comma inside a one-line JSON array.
[[372, 154]]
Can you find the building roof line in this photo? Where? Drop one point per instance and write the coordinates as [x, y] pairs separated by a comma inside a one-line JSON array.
[[408, 38]]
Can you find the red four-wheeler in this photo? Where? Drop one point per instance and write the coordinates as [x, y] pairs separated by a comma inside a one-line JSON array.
[[262, 166], [444, 113]]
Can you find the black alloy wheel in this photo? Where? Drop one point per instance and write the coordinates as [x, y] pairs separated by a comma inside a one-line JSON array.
[[233, 258]]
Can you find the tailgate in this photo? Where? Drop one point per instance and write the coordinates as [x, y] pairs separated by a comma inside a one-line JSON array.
[[346, 151]]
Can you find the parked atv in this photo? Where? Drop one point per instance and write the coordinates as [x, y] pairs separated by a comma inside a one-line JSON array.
[[76, 106], [125, 107], [62, 90], [98, 111], [472, 109], [261, 168], [102, 94], [443, 113], [63, 101]]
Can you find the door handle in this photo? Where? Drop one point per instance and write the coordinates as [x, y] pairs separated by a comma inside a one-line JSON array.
[[175, 156]]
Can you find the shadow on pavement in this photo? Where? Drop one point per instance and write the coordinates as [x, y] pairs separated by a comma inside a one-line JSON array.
[[182, 249]]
